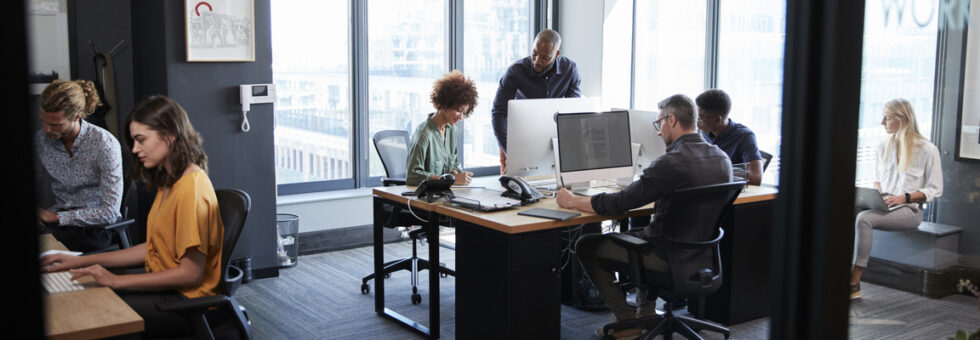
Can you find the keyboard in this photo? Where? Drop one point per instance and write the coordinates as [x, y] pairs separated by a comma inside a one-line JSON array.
[[59, 282]]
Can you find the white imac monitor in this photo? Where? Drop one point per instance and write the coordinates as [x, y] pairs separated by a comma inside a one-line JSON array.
[[530, 128], [643, 133], [594, 145]]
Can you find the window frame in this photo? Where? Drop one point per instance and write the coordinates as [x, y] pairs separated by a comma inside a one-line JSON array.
[[544, 13]]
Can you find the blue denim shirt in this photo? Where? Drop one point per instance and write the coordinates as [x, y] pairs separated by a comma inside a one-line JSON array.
[[522, 82], [689, 162]]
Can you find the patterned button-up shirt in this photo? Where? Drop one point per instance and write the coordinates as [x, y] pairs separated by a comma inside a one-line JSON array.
[[87, 186]]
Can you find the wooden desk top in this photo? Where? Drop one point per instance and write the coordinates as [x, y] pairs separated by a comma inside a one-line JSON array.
[[94, 312], [508, 221]]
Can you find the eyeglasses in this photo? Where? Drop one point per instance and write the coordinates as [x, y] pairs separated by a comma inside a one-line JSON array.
[[656, 123]]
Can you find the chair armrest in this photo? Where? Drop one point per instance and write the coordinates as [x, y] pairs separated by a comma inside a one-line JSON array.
[[393, 181], [689, 245], [117, 225], [233, 279], [628, 240], [200, 304]]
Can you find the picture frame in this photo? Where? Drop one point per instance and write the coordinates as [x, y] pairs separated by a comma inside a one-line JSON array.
[[968, 118], [220, 30]]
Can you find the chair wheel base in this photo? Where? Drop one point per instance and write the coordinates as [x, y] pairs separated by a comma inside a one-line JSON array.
[[416, 298], [365, 289]]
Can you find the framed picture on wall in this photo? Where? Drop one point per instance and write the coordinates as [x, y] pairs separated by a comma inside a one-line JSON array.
[[220, 30], [968, 122]]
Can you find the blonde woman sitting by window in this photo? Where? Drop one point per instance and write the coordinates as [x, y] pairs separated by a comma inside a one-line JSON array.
[[908, 172]]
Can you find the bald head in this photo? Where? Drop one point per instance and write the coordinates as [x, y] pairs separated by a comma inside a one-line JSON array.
[[549, 36]]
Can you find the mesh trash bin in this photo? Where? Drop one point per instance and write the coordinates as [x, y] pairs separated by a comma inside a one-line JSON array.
[[287, 245]]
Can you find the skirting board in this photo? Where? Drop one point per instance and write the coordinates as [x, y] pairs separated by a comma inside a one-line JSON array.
[[341, 238], [933, 284]]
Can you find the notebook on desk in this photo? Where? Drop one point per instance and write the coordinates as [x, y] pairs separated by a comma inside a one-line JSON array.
[[482, 199]]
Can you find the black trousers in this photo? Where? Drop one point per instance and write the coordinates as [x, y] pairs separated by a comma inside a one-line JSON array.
[[157, 324], [83, 239]]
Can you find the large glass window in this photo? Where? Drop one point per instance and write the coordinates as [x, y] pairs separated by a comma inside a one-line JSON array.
[[407, 49], [495, 36], [899, 61], [406, 54], [750, 69], [669, 56], [312, 111]]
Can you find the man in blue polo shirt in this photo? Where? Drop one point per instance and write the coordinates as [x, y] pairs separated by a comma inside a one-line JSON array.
[[543, 74], [733, 138]]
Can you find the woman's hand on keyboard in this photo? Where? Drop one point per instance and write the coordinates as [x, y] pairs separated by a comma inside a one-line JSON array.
[[59, 262], [97, 272]]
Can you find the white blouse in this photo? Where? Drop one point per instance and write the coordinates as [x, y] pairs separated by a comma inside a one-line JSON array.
[[923, 175]]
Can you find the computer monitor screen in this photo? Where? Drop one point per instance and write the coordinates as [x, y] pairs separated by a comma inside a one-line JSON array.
[[643, 133], [530, 129], [594, 145]]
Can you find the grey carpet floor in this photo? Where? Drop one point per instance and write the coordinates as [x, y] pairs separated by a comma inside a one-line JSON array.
[[320, 298]]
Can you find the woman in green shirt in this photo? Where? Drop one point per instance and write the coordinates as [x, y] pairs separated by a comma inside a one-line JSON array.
[[433, 150]]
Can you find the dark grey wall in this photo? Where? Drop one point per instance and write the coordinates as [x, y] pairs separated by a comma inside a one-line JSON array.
[[960, 203], [89, 22], [209, 94]]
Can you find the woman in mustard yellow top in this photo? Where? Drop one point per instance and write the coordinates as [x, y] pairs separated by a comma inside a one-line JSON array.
[[182, 253]]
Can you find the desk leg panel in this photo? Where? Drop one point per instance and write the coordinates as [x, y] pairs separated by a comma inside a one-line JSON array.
[[745, 257], [379, 281], [507, 285]]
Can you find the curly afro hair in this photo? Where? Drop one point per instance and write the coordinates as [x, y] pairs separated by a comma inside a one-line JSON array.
[[454, 90]]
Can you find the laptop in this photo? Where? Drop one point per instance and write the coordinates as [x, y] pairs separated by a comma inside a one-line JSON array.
[[870, 198], [482, 199]]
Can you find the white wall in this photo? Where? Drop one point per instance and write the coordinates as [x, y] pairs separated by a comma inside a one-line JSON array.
[[581, 34], [329, 210], [617, 46], [597, 35]]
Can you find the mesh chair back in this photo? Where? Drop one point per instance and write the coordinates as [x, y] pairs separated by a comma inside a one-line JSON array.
[[234, 205], [766, 157], [695, 215], [392, 147]]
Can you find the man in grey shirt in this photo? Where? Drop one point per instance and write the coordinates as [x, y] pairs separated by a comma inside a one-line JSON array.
[[689, 162], [83, 164]]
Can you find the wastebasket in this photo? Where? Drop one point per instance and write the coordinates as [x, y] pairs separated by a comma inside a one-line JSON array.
[[287, 244]]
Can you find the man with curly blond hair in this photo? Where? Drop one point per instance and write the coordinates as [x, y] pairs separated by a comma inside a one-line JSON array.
[[83, 164]]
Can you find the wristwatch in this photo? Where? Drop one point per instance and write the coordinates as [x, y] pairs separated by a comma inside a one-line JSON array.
[[908, 198]]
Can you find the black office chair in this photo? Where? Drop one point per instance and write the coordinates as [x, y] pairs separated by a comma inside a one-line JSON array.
[[691, 234], [220, 316], [766, 157], [392, 147]]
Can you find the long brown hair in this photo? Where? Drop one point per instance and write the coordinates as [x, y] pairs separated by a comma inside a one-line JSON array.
[[167, 118], [76, 98]]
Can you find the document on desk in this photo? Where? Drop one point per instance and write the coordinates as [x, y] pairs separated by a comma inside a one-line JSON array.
[[482, 199]]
